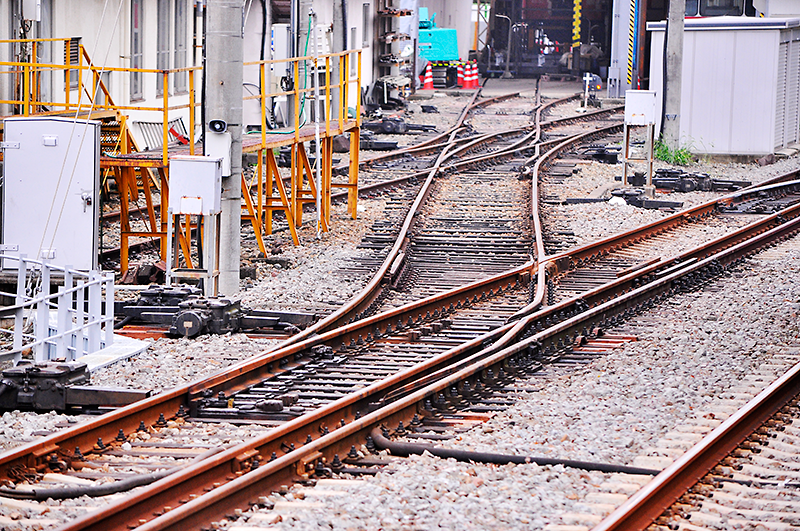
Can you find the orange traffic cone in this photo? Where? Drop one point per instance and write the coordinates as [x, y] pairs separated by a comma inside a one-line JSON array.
[[460, 75], [475, 80], [470, 77], [428, 84]]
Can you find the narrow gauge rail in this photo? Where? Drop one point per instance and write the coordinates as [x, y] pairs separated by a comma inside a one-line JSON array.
[[439, 304], [760, 440]]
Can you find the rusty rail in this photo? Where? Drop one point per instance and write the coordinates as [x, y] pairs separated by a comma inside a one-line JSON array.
[[218, 502], [642, 509]]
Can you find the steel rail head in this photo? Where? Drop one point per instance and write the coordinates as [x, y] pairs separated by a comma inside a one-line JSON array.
[[642, 509], [244, 488]]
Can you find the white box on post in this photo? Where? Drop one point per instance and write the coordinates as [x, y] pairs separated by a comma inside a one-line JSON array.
[[195, 188], [640, 107], [195, 177]]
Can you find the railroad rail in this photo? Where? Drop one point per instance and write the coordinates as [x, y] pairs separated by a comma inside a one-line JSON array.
[[492, 345], [757, 420]]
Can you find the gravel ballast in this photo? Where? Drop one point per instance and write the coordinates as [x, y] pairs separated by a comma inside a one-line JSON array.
[[689, 351]]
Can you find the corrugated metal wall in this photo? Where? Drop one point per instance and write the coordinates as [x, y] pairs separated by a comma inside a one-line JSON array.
[[787, 108]]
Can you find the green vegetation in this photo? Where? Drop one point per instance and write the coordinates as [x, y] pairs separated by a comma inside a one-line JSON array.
[[680, 157]]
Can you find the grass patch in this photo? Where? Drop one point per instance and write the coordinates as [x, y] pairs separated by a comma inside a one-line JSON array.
[[680, 157]]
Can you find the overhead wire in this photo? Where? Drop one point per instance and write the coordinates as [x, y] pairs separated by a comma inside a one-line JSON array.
[[72, 134]]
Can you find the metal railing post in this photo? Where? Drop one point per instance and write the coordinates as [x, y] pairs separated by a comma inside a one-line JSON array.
[[80, 316], [191, 112], [358, 87], [64, 299], [165, 139], [19, 314], [26, 96], [95, 311], [297, 101], [263, 95], [42, 316], [108, 328], [68, 71]]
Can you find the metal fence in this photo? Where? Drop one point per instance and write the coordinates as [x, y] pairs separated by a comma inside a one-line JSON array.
[[67, 324]]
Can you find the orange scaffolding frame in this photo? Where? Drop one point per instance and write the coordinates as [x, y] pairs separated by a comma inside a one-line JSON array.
[[125, 158]]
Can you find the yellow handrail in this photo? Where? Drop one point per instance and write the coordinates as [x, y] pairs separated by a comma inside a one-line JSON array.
[[30, 101]]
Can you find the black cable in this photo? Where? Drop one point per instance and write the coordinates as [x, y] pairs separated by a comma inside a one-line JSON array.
[[100, 490], [263, 31], [406, 449]]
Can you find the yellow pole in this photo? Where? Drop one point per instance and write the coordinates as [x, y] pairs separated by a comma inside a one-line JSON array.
[[80, 80], [263, 95], [165, 128], [328, 96], [296, 101], [191, 112], [342, 95], [68, 70], [34, 80], [26, 97], [358, 87]]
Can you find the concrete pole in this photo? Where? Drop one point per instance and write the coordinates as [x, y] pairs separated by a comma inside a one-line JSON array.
[[671, 125], [223, 79], [339, 45]]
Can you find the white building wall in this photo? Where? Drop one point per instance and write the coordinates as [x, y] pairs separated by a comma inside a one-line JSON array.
[[324, 16], [106, 37]]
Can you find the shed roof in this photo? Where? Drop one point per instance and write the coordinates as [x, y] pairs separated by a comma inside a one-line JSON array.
[[729, 23]]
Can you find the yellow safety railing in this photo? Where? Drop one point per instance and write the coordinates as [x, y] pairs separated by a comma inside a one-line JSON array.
[[318, 64], [31, 103]]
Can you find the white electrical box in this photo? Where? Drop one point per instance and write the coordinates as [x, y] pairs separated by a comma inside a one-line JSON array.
[[51, 190], [32, 10], [195, 185], [218, 146], [640, 107]]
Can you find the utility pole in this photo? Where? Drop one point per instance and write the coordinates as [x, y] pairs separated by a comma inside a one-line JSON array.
[[223, 82], [339, 45], [671, 125]]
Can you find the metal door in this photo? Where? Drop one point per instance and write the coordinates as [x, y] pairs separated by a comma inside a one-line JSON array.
[[51, 190]]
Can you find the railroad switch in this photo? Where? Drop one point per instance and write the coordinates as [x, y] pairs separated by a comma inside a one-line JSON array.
[[680, 181], [47, 386], [395, 125], [186, 313]]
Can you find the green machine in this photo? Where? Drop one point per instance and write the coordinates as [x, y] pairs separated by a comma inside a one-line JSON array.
[[440, 47]]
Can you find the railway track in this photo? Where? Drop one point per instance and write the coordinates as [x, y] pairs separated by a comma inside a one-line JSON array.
[[743, 474], [319, 396]]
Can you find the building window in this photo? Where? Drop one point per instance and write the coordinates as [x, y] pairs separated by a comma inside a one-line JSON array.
[[180, 78], [163, 43], [137, 19], [366, 9], [72, 54]]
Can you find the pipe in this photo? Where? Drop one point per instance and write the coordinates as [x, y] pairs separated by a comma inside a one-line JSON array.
[[405, 449], [106, 488]]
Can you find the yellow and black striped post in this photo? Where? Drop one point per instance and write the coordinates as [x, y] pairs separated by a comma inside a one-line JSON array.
[[576, 36], [631, 40], [576, 23]]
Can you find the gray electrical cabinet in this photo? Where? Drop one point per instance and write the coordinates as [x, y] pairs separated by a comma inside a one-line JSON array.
[[740, 93], [51, 190]]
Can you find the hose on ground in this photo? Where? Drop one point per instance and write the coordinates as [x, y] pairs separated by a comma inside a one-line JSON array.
[[100, 490], [404, 449]]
